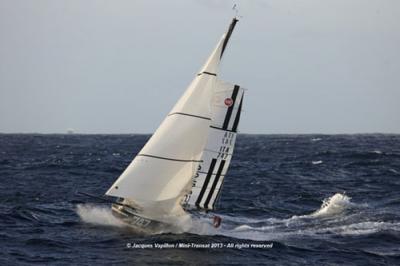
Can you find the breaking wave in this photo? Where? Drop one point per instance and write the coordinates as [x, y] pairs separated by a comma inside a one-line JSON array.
[[337, 215], [336, 204]]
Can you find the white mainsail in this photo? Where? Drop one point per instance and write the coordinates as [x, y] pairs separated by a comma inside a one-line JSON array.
[[163, 172], [217, 154]]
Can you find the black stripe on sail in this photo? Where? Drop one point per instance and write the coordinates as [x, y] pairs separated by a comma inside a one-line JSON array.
[[196, 116], [166, 158], [206, 181], [208, 73], [217, 197], [214, 185], [230, 109], [228, 35], [237, 118]]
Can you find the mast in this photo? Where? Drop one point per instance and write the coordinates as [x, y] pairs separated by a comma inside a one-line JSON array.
[[228, 35], [211, 66]]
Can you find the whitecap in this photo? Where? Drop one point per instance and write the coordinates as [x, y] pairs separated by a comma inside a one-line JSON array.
[[316, 139], [336, 204]]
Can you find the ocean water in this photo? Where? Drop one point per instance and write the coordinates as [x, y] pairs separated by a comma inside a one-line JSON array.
[[309, 199]]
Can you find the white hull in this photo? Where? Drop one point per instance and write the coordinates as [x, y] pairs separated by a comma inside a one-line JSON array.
[[131, 217]]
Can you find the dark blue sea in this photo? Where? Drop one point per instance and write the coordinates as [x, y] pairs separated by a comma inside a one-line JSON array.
[[287, 200]]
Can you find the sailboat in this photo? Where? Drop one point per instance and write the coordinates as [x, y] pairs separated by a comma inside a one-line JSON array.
[[181, 169]]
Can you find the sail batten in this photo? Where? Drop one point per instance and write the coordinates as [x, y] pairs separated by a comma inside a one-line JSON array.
[[168, 159], [207, 73], [195, 116]]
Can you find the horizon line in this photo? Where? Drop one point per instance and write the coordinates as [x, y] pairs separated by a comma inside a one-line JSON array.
[[239, 133]]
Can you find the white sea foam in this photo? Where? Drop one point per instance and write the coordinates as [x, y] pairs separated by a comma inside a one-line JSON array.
[[317, 162], [333, 205], [97, 215], [101, 215], [243, 227], [364, 228], [337, 215]]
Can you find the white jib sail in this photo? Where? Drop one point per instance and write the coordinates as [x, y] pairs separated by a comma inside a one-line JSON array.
[[159, 176]]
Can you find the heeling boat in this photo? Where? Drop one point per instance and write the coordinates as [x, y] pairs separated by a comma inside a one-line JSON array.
[[181, 168]]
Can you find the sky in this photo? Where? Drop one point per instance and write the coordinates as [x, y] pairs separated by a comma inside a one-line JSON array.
[[309, 66]]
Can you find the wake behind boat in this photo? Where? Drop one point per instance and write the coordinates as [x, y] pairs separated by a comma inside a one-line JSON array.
[[181, 169]]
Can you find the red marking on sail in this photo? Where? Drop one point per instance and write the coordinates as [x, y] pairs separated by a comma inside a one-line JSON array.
[[228, 102]]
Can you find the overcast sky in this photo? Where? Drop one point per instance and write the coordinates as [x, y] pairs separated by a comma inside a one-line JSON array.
[[310, 66]]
